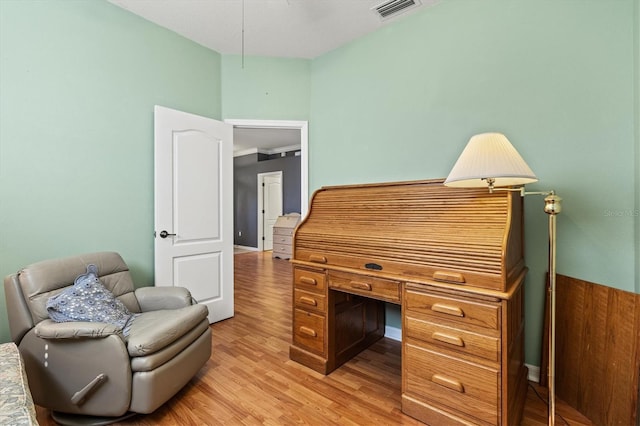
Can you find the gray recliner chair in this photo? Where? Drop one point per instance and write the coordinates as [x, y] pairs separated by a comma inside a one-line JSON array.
[[89, 372]]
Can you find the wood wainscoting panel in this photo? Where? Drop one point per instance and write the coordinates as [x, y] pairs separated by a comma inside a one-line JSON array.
[[597, 350]]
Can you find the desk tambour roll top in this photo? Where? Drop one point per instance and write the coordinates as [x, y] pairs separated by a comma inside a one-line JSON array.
[[420, 231]]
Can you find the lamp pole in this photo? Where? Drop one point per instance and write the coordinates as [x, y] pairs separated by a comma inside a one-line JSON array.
[[552, 207]]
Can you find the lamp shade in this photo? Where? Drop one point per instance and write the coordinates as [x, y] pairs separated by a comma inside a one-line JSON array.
[[489, 158]]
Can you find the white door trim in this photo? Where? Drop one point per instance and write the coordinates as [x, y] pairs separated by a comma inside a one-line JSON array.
[[303, 126]]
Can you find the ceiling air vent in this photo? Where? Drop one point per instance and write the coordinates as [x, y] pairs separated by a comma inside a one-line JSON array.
[[391, 8]]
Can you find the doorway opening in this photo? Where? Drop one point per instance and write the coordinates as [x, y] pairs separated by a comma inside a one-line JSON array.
[[303, 127], [265, 146]]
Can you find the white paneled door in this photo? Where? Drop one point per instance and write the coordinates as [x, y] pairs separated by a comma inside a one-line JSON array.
[[194, 208], [271, 209]]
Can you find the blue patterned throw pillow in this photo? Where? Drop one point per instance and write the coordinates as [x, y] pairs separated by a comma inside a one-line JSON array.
[[89, 300]]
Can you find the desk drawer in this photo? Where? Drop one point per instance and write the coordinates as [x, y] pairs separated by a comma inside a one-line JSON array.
[[282, 250], [452, 383], [461, 341], [283, 232], [309, 280], [282, 239], [377, 288], [309, 300], [463, 311], [308, 330]]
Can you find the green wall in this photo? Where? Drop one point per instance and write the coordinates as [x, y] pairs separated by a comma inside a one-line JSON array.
[[78, 82], [265, 88], [557, 77], [636, 155]]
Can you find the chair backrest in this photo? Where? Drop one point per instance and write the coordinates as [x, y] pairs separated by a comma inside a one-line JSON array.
[[42, 280]]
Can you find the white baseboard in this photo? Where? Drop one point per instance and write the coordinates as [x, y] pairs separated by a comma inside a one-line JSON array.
[[393, 333], [534, 373], [246, 248]]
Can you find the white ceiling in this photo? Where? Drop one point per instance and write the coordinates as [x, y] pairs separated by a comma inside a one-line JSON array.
[[278, 28], [267, 140], [275, 28]]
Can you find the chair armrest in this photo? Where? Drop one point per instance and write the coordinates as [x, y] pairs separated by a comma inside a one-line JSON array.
[[157, 298], [49, 329]]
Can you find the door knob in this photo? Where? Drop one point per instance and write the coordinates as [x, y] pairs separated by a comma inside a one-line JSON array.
[[165, 234]]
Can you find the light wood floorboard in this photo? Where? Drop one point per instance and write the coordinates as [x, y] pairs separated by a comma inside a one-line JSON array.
[[250, 380]]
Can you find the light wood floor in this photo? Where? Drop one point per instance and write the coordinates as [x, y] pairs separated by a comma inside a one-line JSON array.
[[250, 380]]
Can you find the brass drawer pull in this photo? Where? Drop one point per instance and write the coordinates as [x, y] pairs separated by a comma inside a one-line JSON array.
[[308, 281], [447, 383], [317, 259], [447, 309], [308, 331], [360, 285], [447, 338], [308, 301]]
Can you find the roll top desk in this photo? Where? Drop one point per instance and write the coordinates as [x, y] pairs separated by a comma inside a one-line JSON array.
[[452, 258]]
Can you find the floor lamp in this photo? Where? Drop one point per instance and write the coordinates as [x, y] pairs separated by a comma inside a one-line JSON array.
[[490, 161]]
